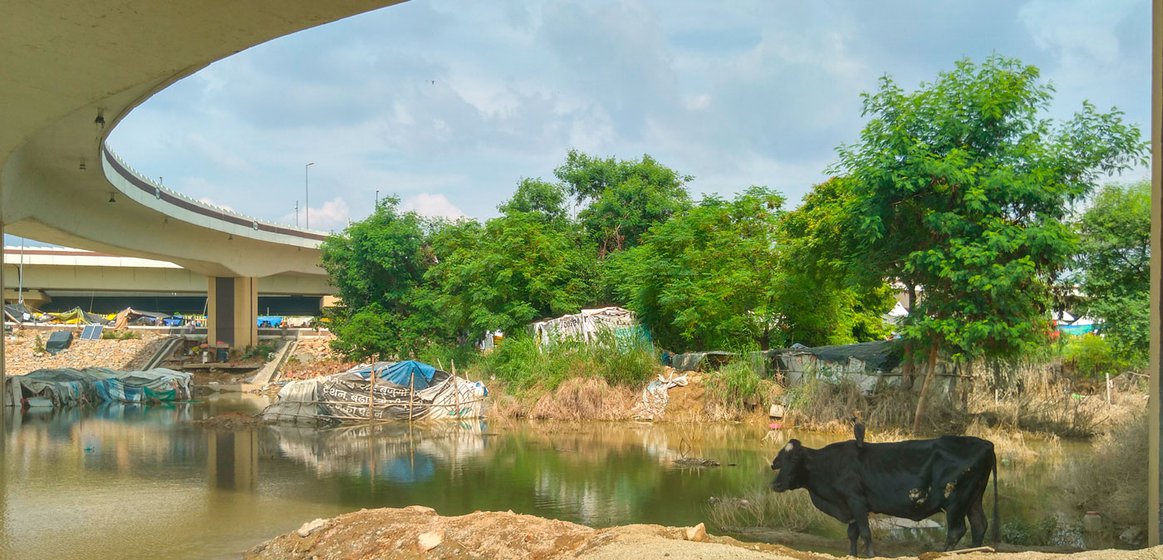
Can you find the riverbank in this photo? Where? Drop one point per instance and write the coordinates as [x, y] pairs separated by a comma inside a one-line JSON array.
[[419, 532]]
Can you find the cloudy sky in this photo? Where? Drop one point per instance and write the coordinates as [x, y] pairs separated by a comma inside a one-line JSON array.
[[448, 103]]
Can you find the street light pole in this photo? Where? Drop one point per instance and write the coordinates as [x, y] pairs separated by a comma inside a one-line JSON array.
[[307, 196]]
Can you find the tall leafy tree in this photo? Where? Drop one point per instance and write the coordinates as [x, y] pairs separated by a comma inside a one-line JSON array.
[[527, 264], [377, 264], [622, 199], [1115, 265], [964, 189], [706, 278], [835, 296]]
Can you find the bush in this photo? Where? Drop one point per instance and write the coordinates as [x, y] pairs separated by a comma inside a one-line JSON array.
[[260, 351], [522, 365], [364, 335], [736, 384], [120, 335], [1093, 356]]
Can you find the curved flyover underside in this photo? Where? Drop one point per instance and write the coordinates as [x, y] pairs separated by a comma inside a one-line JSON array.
[[73, 69]]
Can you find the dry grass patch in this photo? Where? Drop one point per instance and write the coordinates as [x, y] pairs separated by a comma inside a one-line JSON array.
[[1098, 482], [585, 399]]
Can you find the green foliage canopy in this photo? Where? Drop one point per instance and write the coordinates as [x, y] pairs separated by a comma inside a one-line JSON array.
[[963, 188], [1115, 266], [706, 278], [622, 199], [377, 264]]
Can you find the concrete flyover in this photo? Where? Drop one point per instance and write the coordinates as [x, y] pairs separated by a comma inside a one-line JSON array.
[[72, 70], [57, 279]]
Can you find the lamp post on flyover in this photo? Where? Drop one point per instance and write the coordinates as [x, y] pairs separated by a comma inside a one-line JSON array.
[[307, 196]]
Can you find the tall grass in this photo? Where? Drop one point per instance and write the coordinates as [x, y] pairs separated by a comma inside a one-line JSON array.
[[792, 511], [1103, 481], [736, 384], [524, 366]]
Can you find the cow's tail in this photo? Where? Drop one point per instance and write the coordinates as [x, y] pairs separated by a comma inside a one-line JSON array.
[[995, 535]]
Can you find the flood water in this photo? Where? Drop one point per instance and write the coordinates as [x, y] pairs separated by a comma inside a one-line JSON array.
[[130, 482]]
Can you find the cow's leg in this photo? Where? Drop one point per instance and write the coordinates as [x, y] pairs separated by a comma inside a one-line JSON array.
[[853, 535], [955, 519], [864, 531], [978, 523]]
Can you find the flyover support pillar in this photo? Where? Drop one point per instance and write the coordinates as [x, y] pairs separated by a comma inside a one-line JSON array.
[[1155, 417], [232, 311]]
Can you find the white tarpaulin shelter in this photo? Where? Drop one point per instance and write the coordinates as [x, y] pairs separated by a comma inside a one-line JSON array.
[[585, 325]]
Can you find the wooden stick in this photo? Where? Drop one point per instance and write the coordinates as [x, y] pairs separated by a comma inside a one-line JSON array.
[[456, 388], [371, 393]]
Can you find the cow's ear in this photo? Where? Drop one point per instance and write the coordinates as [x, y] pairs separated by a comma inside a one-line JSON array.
[[793, 444]]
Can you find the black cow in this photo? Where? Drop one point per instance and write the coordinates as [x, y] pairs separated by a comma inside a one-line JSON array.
[[910, 479]]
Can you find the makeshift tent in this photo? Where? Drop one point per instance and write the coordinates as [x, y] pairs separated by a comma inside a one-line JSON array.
[[66, 386], [131, 316], [587, 324], [19, 313], [76, 316], [343, 397], [418, 374]]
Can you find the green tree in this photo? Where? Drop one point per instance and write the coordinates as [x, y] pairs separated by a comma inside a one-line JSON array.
[[833, 294], [622, 199], [964, 188], [707, 278], [377, 264], [527, 264], [540, 197], [1115, 266]]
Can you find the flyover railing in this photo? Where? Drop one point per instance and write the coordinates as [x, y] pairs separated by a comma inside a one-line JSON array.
[[141, 188]]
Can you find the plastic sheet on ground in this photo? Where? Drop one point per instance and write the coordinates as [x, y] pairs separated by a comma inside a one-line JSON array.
[[344, 397], [66, 386], [655, 397]]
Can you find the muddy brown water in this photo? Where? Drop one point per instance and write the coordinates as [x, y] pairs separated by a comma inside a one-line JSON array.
[[129, 482]]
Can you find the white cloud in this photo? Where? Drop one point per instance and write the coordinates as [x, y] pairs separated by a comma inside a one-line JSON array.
[[697, 102], [332, 216], [432, 205]]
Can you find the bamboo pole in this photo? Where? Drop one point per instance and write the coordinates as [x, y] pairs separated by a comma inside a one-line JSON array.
[[411, 395], [371, 394], [456, 388]]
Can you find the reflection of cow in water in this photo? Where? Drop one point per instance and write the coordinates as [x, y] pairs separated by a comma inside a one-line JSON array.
[[910, 479]]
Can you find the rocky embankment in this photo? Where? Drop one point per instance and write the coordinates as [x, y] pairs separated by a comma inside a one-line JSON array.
[[21, 356], [419, 532]]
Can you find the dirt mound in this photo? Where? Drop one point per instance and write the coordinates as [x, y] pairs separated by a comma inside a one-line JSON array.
[[418, 532]]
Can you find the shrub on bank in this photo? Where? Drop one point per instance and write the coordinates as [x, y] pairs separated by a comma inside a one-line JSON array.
[[522, 364]]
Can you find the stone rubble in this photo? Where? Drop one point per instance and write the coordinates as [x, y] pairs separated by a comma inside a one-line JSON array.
[[20, 356]]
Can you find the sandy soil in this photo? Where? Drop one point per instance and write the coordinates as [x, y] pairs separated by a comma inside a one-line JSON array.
[[419, 532]]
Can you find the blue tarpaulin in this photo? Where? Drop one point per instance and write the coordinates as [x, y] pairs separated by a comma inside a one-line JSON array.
[[401, 373], [1076, 329]]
